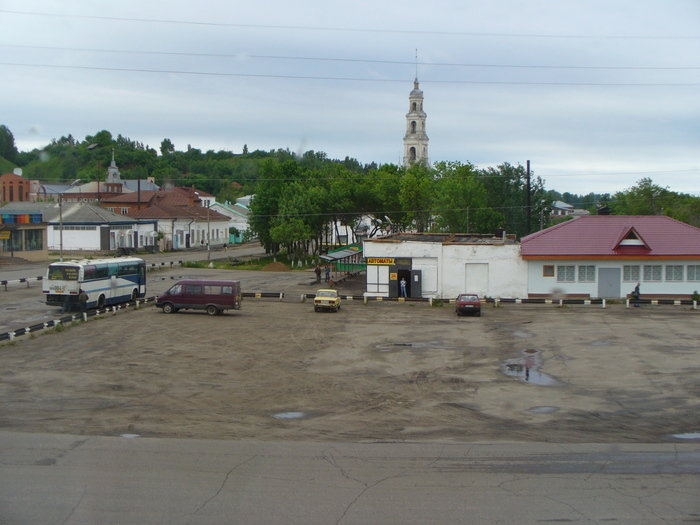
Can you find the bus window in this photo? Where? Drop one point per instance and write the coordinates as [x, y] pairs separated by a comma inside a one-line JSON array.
[[89, 272], [101, 271], [63, 273], [113, 269], [128, 269]]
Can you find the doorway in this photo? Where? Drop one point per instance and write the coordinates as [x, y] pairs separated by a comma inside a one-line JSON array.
[[609, 282], [404, 275]]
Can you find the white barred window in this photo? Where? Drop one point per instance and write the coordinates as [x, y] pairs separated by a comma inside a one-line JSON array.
[[674, 272], [586, 273], [652, 272], [630, 273], [566, 274], [694, 272]]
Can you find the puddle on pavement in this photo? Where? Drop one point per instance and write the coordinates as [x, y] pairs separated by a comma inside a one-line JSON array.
[[543, 410], [130, 436], [395, 347], [601, 342], [527, 369], [687, 435], [289, 415]]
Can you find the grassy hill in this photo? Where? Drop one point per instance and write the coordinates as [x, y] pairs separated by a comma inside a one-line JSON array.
[[6, 166]]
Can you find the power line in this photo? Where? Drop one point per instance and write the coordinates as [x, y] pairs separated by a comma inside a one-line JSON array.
[[353, 29], [352, 60], [352, 79]]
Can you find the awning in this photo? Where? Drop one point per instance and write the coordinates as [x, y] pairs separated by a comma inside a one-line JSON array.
[[340, 254]]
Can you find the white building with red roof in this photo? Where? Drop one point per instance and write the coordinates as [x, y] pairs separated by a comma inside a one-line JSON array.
[[607, 255]]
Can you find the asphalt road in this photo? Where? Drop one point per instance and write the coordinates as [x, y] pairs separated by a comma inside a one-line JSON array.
[[76, 480]]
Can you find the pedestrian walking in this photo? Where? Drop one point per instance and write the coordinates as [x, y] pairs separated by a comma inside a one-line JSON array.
[[635, 296], [317, 271], [328, 273]]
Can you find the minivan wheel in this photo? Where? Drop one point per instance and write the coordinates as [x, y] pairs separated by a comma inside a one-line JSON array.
[[212, 310], [168, 308]]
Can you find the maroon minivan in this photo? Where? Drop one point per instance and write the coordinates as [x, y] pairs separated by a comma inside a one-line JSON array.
[[212, 296]]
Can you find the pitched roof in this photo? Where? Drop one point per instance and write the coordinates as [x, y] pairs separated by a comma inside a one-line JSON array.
[[165, 211], [73, 212], [615, 235]]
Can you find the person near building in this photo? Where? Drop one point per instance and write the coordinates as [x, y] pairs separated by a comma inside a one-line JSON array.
[[403, 287], [635, 296], [328, 273], [82, 301], [317, 271]]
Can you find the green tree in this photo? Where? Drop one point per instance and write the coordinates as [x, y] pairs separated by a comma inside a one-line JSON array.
[[416, 195], [166, 147], [461, 200], [8, 150]]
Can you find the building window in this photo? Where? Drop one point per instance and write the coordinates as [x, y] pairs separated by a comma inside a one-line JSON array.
[[674, 272], [630, 274], [652, 272], [566, 274], [586, 273], [548, 270], [694, 272]]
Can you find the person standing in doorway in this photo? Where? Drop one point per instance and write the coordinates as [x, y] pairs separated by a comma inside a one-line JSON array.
[[403, 287]]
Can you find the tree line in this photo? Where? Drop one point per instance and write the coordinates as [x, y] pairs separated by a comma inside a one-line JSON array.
[[298, 198]]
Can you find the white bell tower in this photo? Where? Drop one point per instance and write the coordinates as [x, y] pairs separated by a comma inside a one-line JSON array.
[[415, 141]]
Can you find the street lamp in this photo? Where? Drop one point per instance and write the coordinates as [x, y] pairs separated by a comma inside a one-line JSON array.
[[60, 218]]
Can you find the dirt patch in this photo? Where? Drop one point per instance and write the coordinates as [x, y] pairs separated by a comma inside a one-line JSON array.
[[275, 267], [383, 371]]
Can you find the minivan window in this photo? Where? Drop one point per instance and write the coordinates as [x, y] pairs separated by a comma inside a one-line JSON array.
[[192, 289], [175, 290]]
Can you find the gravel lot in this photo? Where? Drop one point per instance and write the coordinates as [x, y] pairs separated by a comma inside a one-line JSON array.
[[382, 371]]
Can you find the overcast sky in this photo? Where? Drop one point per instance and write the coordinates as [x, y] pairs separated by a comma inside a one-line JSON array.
[[597, 94]]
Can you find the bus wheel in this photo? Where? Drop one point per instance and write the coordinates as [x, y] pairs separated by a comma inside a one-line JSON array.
[[101, 302], [212, 310], [168, 309]]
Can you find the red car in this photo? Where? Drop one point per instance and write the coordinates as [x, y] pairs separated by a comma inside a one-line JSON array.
[[468, 303]]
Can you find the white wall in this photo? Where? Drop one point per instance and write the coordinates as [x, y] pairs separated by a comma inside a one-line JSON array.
[[538, 284], [73, 239], [444, 271]]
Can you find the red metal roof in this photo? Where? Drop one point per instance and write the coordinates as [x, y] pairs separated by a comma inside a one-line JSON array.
[[601, 235]]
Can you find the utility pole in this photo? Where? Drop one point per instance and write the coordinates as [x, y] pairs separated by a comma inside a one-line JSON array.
[[208, 234], [528, 202]]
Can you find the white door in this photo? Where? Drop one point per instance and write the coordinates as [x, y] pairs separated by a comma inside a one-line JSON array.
[[476, 278]]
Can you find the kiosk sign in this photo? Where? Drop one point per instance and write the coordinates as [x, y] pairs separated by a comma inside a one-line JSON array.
[[380, 260]]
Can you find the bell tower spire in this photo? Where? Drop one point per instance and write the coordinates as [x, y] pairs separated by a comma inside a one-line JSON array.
[[415, 141]]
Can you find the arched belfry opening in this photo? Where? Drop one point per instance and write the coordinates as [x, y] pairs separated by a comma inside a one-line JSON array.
[[415, 141]]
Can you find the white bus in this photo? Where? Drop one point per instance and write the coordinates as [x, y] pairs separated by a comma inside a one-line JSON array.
[[106, 282]]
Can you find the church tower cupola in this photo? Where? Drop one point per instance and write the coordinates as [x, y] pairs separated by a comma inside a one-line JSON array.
[[415, 141]]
